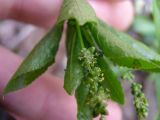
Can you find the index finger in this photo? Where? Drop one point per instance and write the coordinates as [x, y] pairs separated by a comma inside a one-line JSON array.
[[44, 12], [44, 99]]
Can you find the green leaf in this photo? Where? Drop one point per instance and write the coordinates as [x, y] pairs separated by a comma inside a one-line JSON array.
[[74, 72], [156, 78], [84, 112], [157, 83], [144, 26], [124, 50], [37, 62], [111, 82], [156, 15], [80, 10], [158, 117]]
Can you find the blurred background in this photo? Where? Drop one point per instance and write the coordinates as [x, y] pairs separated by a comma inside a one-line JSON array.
[[21, 38]]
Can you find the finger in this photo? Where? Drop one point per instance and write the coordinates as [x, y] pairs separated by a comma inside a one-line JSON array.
[[119, 14], [38, 12], [114, 111], [44, 99], [44, 13]]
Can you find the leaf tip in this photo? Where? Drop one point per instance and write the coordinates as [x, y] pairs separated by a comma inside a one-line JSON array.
[[69, 92], [6, 90]]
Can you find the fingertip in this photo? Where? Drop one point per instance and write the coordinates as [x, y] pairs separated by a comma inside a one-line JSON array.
[[115, 112], [9, 63], [118, 14], [38, 12]]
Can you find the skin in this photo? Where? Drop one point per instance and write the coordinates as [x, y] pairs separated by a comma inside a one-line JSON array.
[[45, 99]]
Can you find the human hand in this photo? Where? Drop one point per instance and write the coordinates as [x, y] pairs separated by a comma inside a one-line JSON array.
[[45, 98]]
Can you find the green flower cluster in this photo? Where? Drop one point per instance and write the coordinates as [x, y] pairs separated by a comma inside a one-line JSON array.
[[128, 75], [140, 101], [93, 80]]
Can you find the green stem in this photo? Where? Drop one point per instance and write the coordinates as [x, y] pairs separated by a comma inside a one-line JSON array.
[[90, 38], [87, 36], [80, 35]]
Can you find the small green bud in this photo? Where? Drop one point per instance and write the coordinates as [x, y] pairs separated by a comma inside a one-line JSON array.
[[93, 80], [128, 76], [140, 100]]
